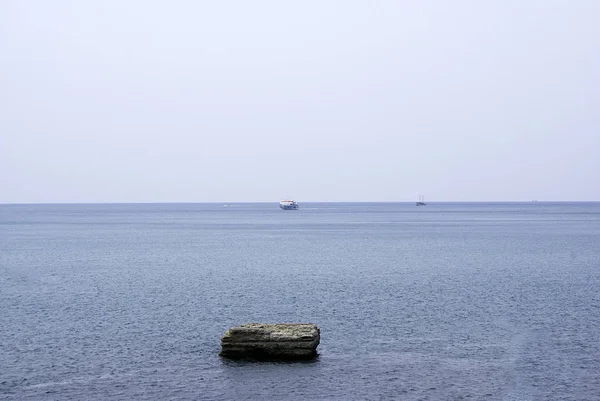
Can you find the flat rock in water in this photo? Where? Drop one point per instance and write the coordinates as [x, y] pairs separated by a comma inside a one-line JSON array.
[[282, 341]]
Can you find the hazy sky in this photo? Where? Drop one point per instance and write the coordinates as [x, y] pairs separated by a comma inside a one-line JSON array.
[[127, 101]]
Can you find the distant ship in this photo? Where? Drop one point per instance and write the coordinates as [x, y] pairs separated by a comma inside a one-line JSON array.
[[421, 201], [288, 204]]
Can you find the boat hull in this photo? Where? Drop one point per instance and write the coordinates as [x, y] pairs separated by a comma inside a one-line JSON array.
[[288, 204]]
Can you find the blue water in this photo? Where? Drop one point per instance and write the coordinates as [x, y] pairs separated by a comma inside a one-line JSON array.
[[442, 302]]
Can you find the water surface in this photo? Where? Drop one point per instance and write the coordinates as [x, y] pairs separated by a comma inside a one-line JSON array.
[[447, 301]]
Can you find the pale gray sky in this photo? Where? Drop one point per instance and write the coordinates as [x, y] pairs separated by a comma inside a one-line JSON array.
[[126, 101]]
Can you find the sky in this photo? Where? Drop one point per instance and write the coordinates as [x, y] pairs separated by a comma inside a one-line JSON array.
[[234, 101]]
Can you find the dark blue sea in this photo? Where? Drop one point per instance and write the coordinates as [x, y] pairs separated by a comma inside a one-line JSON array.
[[466, 301]]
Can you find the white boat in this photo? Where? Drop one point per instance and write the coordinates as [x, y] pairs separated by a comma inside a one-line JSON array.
[[421, 201], [288, 204]]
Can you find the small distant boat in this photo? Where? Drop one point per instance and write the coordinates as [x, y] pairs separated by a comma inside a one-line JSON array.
[[421, 201], [288, 204]]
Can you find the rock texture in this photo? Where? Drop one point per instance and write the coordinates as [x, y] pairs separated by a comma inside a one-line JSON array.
[[283, 341]]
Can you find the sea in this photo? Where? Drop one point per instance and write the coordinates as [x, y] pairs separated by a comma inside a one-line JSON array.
[[449, 301]]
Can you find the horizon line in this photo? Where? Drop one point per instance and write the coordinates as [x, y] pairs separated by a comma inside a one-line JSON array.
[[267, 202]]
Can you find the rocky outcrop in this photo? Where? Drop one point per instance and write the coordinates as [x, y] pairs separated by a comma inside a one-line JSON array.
[[283, 341]]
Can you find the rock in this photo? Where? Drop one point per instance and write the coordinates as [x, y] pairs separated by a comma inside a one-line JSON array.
[[283, 341]]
